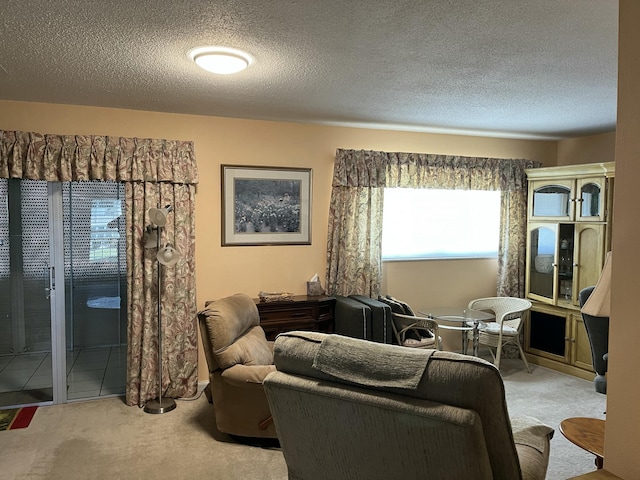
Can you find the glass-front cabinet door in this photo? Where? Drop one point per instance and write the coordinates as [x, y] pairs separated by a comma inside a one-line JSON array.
[[591, 200], [541, 276], [551, 200], [566, 270]]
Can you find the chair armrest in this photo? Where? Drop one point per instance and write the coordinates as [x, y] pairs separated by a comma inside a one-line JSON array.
[[247, 375], [531, 432]]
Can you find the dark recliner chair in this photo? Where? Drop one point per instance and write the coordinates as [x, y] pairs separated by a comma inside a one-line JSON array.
[[598, 333]]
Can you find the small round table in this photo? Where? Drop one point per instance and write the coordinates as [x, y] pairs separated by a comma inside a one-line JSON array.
[[587, 433], [470, 320]]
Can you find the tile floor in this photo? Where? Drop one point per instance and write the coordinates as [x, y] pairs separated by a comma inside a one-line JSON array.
[[91, 372]]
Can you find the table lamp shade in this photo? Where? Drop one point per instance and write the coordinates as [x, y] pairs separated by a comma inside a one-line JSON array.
[[599, 302]]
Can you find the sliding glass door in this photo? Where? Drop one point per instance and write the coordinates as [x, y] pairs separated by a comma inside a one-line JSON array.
[[95, 276], [26, 276], [62, 278]]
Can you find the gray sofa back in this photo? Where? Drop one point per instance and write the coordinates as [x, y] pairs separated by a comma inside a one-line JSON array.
[[427, 414]]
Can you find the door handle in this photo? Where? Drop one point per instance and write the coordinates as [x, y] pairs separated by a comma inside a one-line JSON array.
[[50, 277]]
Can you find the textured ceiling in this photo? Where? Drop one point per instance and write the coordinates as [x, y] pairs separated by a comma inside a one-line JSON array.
[[519, 68]]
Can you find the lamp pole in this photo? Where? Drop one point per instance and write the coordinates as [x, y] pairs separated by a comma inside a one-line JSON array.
[[159, 404]]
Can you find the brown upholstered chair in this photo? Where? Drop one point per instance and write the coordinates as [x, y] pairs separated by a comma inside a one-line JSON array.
[[239, 357]]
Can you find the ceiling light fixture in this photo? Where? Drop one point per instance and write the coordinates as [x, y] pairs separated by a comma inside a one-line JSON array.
[[220, 60]]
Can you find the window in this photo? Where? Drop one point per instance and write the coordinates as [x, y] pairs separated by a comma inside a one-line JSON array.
[[104, 229], [429, 223]]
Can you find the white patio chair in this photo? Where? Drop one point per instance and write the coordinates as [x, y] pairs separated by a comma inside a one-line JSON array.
[[507, 327]]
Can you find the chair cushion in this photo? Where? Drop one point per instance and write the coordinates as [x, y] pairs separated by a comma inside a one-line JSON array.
[[494, 328], [424, 342], [251, 348]]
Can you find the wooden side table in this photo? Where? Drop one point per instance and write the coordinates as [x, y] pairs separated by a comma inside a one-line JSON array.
[[587, 433], [302, 313]]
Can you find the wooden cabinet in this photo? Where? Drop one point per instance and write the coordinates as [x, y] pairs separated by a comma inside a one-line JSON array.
[[568, 234], [556, 338], [302, 313]]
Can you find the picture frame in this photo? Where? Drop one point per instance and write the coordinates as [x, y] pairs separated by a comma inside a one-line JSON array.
[[266, 205]]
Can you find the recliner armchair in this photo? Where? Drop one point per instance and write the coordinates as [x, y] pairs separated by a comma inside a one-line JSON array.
[[598, 333], [351, 408], [239, 357]]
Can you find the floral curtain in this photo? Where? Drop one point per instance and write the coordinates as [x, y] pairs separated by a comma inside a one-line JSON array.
[[156, 173], [355, 213]]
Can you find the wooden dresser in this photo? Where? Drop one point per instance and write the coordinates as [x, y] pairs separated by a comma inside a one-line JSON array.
[[301, 313]]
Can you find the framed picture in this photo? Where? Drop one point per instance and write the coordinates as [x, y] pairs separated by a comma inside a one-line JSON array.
[[266, 205]]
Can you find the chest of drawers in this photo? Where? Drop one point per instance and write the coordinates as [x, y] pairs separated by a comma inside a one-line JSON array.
[[301, 313]]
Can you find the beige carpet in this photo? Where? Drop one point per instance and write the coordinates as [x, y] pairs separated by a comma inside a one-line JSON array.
[[105, 439], [551, 397]]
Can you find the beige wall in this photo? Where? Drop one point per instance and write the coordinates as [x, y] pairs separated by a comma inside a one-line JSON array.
[[623, 385], [589, 149], [221, 271]]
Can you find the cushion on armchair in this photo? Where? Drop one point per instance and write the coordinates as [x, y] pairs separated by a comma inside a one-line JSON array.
[[251, 348], [235, 334]]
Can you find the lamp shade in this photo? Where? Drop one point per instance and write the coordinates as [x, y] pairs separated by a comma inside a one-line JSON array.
[[599, 302], [158, 216], [168, 255]]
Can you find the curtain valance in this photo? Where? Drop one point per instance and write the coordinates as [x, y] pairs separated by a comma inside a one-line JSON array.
[[54, 158], [366, 168]]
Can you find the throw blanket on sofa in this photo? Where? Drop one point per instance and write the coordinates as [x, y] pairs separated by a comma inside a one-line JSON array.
[[349, 359]]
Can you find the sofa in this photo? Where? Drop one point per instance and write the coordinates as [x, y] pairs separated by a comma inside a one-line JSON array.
[[346, 408]]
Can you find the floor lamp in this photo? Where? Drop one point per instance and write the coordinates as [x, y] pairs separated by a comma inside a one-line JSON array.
[[166, 256]]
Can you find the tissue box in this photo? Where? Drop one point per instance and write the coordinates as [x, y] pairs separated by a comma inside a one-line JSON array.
[[314, 289]]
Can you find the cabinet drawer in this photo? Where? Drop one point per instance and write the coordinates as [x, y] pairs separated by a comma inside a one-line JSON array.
[[302, 313], [286, 315]]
